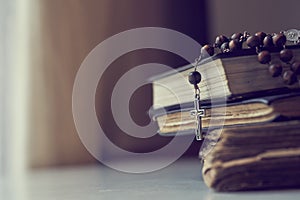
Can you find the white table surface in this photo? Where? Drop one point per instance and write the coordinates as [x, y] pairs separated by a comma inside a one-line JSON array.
[[181, 180]]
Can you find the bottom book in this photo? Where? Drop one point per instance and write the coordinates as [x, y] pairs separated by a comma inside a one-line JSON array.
[[255, 157]]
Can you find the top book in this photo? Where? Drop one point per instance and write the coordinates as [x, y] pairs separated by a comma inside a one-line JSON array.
[[225, 76]]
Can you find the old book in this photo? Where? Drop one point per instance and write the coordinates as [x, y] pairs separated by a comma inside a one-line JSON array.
[[258, 110], [231, 76], [254, 157]]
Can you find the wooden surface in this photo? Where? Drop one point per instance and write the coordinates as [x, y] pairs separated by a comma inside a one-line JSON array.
[[181, 180]]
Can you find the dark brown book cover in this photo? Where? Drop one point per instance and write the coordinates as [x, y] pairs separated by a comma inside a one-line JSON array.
[[254, 157]]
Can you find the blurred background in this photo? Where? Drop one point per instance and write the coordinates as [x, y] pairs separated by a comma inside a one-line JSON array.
[[43, 43]]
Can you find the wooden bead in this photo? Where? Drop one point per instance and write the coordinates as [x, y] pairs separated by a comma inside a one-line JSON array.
[[264, 57], [207, 50], [279, 40], [275, 70], [225, 47], [245, 35], [268, 41], [261, 36], [286, 55], [253, 41], [220, 40], [235, 45], [194, 77], [296, 68], [236, 36], [289, 77]]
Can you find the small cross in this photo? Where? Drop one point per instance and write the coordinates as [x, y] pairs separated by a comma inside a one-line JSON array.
[[198, 113]]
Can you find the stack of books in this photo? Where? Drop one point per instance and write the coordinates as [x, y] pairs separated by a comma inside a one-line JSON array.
[[251, 122]]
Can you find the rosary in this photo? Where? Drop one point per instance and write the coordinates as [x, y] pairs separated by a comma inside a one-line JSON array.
[[262, 43]]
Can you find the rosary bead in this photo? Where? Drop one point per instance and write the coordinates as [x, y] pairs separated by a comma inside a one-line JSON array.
[[220, 40], [268, 41], [289, 77], [261, 36], [286, 55], [225, 47], [194, 77], [253, 41], [207, 49], [279, 40], [296, 67], [245, 35], [236, 36], [275, 70], [264, 57], [234, 45]]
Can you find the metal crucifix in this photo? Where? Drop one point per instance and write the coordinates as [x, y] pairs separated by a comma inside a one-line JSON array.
[[198, 113]]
